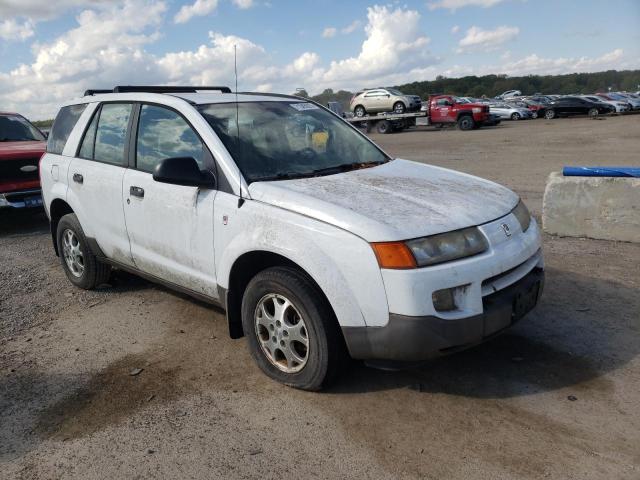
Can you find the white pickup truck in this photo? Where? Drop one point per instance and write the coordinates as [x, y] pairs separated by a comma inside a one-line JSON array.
[[317, 243]]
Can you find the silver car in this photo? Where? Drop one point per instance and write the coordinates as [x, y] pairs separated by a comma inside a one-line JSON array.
[[377, 100], [509, 112]]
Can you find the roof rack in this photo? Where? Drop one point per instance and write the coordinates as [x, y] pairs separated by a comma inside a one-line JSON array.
[[157, 89], [96, 92]]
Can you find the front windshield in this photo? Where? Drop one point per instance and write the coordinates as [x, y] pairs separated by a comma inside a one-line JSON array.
[[289, 139], [14, 128]]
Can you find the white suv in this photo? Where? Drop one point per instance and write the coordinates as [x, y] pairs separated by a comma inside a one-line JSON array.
[[315, 241]]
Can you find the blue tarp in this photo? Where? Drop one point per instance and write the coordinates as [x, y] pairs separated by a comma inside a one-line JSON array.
[[601, 172]]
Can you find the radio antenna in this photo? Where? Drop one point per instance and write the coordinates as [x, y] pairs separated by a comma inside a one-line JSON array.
[[235, 70]]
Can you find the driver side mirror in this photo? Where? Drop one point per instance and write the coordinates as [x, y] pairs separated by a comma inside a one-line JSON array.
[[183, 171]]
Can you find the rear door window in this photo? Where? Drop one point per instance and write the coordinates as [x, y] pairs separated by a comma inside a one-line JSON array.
[[86, 150], [62, 126], [111, 133]]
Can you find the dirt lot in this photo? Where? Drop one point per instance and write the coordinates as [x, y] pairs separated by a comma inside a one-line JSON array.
[[556, 397]]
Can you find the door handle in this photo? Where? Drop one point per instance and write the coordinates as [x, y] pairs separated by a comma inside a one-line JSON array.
[[78, 178], [136, 192]]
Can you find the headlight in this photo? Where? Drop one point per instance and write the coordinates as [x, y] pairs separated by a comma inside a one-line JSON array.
[[447, 246], [522, 214], [476, 109]]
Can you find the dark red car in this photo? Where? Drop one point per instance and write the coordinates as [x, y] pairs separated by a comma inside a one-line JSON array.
[[21, 146]]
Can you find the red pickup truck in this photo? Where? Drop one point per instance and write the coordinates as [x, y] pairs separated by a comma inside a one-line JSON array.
[[21, 146], [445, 109]]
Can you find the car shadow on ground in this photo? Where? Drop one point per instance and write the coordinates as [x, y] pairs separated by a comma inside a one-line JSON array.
[[583, 328], [19, 222]]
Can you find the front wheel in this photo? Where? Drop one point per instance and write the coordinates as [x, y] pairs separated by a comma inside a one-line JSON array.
[[515, 116], [399, 107], [534, 114], [80, 265], [292, 333], [593, 112], [359, 111], [550, 114], [466, 123]]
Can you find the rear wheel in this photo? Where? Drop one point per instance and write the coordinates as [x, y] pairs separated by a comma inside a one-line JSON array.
[[550, 114], [359, 111], [291, 331], [399, 107], [384, 126], [466, 123], [80, 265]]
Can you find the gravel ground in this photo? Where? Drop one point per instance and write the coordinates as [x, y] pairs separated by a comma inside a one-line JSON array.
[[555, 397]]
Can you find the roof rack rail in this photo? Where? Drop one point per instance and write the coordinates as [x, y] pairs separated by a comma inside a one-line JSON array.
[[96, 92], [167, 89]]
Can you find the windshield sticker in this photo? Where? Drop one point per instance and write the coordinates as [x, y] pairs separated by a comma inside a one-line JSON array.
[[304, 106]]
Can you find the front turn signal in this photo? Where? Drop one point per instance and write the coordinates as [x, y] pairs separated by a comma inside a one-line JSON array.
[[395, 255]]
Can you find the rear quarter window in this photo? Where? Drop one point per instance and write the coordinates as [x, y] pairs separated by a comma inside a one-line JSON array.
[[62, 126]]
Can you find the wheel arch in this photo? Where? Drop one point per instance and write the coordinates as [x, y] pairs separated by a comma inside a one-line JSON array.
[[463, 113], [244, 268], [58, 209]]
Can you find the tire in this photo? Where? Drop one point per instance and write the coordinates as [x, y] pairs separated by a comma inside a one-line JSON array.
[[79, 263], [593, 112], [359, 111], [399, 108], [515, 116], [325, 351], [550, 114], [466, 122], [384, 126], [534, 114]]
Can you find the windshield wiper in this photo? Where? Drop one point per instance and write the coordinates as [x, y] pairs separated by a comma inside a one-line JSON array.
[[344, 167]]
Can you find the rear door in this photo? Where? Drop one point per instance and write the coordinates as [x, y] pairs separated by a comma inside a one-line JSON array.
[[95, 179], [170, 226]]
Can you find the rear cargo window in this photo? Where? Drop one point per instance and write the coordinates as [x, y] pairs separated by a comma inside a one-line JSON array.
[[62, 127]]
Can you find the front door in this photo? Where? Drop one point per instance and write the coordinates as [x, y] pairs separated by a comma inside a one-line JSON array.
[[170, 226]]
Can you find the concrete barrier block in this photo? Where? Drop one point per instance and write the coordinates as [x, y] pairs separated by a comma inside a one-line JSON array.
[[595, 207]]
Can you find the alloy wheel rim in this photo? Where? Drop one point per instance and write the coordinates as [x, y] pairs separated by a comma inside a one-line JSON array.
[[281, 333], [72, 252]]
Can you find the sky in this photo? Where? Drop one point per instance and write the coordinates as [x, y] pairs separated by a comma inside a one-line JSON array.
[[52, 50]]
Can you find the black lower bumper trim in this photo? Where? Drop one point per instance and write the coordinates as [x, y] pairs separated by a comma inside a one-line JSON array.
[[414, 339]]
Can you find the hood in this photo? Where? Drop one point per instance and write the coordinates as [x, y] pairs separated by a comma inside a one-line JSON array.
[[398, 200], [9, 150]]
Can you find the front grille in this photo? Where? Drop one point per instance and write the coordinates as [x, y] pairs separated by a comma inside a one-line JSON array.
[[11, 169]]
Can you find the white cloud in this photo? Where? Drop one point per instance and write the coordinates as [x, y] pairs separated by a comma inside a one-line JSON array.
[[329, 32], [394, 41], [199, 9], [243, 4], [453, 5], [44, 9], [455, 29], [352, 27], [477, 38], [534, 64], [12, 30]]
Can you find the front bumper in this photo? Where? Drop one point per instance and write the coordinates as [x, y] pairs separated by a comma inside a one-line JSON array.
[[21, 199], [415, 339]]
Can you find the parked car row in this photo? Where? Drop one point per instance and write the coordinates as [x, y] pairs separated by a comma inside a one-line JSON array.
[[468, 113]]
